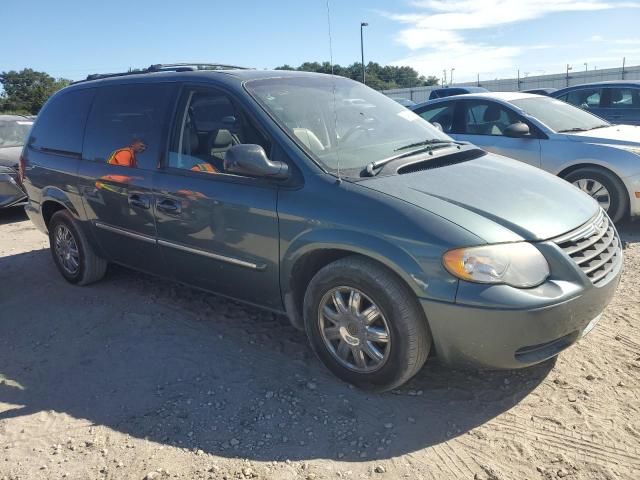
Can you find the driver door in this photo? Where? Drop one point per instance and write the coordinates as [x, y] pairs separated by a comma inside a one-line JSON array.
[[483, 122]]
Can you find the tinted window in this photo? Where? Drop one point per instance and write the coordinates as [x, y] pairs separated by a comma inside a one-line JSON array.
[[442, 114], [125, 125], [584, 98], [208, 125], [624, 98], [60, 125], [487, 118]]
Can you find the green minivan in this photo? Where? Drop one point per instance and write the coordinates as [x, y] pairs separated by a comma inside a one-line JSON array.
[[317, 197]]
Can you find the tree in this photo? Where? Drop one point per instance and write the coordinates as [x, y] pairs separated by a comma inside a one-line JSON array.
[[27, 90], [378, 76]]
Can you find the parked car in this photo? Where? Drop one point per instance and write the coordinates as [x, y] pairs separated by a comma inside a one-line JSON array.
[[451, 91], [601, 159], [375, 232], [13, 132], [405, 102], [617, 102], [540, 91]]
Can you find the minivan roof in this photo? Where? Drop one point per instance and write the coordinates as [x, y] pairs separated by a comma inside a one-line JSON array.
[[226, 76]]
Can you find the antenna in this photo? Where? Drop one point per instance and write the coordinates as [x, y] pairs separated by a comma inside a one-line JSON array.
[[333, 83]]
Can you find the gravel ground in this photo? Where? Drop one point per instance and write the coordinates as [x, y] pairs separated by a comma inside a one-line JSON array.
[[135, 377]]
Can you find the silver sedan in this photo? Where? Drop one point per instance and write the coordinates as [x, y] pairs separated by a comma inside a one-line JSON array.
[[601, 159]]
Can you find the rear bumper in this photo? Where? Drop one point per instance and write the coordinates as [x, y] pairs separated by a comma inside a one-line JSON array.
[[32, 209], [504, 338]]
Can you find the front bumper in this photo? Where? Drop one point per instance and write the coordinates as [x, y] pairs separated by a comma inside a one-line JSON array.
[[497, 326], [11, 194], [633, 187]]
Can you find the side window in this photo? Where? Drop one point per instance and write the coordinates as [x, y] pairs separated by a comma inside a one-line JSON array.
[[442, 114], [624, 98], [208, 124], [60, 125], [125, 125], [487, 118], [585, 98]]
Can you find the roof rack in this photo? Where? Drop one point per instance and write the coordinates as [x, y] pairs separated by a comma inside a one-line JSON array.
[[166, 67]]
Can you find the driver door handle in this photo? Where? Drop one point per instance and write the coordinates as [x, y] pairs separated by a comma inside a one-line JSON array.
[[169, 206], [139, 201]]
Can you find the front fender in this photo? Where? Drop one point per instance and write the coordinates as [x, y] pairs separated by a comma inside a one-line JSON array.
[[420, 269]]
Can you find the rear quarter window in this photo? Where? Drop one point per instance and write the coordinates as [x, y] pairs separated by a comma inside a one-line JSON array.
[[60, 125]]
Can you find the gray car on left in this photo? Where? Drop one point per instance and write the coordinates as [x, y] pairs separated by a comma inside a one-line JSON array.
[[13, 131]]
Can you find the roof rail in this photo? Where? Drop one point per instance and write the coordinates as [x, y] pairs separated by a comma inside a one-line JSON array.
[[166, 67]]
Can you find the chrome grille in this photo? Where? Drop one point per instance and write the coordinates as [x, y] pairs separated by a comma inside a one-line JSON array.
[[595, 247]]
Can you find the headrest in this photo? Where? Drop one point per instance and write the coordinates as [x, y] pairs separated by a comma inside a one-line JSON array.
[[222, 139], [492, 113]]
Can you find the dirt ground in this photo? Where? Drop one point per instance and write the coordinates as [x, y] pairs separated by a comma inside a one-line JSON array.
[[136, 377]]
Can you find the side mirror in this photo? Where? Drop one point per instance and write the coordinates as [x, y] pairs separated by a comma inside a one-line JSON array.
[[438, 126], [517, 130], [252, 161]]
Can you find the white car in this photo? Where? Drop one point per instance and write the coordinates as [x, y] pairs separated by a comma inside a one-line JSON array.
[[599, 158]]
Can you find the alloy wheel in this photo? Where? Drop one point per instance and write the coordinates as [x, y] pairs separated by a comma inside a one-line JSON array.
[[596, 190], [66, 249], [354, 329]]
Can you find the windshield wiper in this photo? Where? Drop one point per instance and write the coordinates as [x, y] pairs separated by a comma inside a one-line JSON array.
[[428, 146], [575, 129], [431, 141]]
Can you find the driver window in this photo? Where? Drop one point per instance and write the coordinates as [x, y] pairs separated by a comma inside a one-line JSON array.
[[210, 124], [488, 118]]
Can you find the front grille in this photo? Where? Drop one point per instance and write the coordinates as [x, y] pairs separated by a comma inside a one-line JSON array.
[[595, 247]]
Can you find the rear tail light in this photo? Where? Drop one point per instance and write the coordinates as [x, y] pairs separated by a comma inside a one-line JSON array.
[[21, 170]]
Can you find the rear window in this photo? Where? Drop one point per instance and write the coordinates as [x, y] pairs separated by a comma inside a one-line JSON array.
[[125, 125], [60, 125]]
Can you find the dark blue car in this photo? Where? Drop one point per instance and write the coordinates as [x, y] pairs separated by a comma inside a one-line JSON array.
[[617, 102]]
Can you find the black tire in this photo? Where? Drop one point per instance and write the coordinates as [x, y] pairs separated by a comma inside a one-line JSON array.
[[91, 268], [619, 198], [409, 336]]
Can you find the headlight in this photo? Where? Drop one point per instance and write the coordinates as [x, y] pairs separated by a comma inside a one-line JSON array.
[[516, 264]]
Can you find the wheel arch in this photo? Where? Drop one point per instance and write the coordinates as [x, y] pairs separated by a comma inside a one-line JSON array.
[[54, 199], [301, 264]]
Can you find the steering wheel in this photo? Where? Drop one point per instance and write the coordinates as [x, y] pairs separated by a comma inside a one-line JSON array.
[[352, 130]]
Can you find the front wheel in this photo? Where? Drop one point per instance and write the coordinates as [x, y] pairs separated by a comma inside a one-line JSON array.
[[604, 188], [365, 325]]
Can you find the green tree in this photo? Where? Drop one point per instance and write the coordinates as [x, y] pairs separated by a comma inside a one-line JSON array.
[[378, 77], [27, 90]]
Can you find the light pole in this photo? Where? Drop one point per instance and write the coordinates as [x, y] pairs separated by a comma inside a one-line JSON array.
[[451, 76], [362, 25], [569, 67], [444, 76], [586, 66]]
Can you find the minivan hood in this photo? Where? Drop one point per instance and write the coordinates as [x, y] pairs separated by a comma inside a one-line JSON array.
[[494, 197], [615, 134]]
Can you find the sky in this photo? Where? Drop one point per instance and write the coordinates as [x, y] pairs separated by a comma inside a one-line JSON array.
[[492, 38]]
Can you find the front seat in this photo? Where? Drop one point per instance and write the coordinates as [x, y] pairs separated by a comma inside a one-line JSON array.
[[491, 119], [310, 140], [220, 141]]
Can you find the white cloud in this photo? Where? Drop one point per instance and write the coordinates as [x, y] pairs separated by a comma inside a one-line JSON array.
[[434, 31]]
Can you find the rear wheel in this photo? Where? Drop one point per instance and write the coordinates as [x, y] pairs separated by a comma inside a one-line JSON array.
[[365, 325], [604, 187], [72, 254]]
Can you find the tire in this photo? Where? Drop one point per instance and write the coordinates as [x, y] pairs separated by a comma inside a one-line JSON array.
[[400, 316], [618, 196], [90, 268]]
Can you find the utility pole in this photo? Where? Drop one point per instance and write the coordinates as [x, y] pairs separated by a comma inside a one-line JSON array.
[[444, 75], [451, 76], [478, 79], [569, 67], [623, 62], [586, 66], [362, 25], [518, 79]]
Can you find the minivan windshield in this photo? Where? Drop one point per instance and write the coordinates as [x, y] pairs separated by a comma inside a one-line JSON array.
[[342, 123], [558, 115], [14, 132]]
